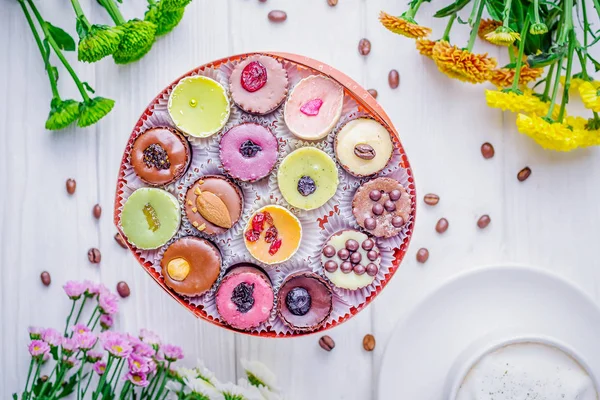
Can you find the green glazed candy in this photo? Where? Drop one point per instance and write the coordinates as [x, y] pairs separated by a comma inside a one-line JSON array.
[[150, 218]]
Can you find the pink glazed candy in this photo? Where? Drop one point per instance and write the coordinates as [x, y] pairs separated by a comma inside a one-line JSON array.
[[245, 297], [248, 152]]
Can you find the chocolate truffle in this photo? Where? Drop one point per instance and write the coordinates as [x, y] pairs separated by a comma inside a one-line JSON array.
[[304, 301], [245, 297], [191, 265], [395, 213], [213, 204], [160, 156]]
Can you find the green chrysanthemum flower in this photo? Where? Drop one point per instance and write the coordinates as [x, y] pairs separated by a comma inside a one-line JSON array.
[[538, 28], [100, 41], [137, 40], [62, 114], [173, 5], [93, 110], [165, 21]]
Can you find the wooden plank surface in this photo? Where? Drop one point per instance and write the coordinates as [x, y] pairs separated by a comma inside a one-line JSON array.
[[549, 221]]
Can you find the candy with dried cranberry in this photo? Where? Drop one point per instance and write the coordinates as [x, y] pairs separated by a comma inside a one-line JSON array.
[[271, 234], [252, 235], [254, 76], [275, 247]]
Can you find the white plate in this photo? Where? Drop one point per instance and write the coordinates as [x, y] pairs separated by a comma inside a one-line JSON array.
[[473, 305]]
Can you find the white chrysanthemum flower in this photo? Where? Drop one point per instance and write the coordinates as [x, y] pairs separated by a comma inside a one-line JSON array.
[[263, 391], [186, 373], [259, 374], [232, 391], [204, 373]]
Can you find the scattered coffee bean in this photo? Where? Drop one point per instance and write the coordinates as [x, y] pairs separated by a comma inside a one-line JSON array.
[[97, 211], [277, 16], [441, 226], [422, 255], [71, 186], [483, 221], [123, 289], [431, 199], [394, 79], [119, 239], [262, 1], [524, 174], [487, 150], [45, 277], [332, 3], [326, 343], [369, 342], [373, 93], [364, 47], [94, 255]]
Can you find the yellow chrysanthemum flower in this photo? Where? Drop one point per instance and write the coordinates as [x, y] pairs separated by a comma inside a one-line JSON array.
[[425, 47], [524, 103], [403, 26], [551, 136], [576, 82], [462, 64], [502, 36], [504, 77], [585, 137], [589, 95], [487, 26]]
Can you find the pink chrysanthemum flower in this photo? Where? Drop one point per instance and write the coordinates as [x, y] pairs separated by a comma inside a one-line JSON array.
[[93, 356], [85, 340], [108, 302], [143, 349], [172, 352], [74, 289], [35, 332], [138, 379], [106, 321], [53, 337], [69, 346], [149, 337], [118, 346], [38, 348], [71, 361], [80, 328], [99, 367], [92, 288], [138, 363]]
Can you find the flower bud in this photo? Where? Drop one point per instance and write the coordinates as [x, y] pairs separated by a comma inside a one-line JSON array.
[[538, 28]]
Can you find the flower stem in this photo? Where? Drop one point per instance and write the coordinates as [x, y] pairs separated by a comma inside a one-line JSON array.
[[555, 88], [451, 20], [536, 11], [92, 318], [25, 394], [43, 390], [473, 11], [59, 54], [476, 25], [519, 64], [113, 11], [548, 80], [506, 13], [103, 378], [154, 383], [58, 383], [45, 55], [80, 14], [80, 310], [412, 11], [567, 22], [565, 96], [117, 371], [79, 376], [164, 380], [87, 385]]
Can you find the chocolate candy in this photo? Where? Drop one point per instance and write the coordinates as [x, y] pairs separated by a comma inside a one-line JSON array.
[[352, 245], [372, 255], [331, 266], [368, 244], [359, 269], [329, 251], [343, 254], [377, 209], [355, 258], [395, 194], [397, 221], [346, 267], [372, 269], [298, 301], [375, 195], [370, 223], [389, 205]]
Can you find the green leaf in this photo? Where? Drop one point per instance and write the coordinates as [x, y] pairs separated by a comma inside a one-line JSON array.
[[68, 387], [81, 28], [37, 387], [94, 110], [451, 9], [53, 350], [596, 63], [62, 38], [88, 87], [54, 72], [542, 60], [15, 397], [461, 21], [495, 8]]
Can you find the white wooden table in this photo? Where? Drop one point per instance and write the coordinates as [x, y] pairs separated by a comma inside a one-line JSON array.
[[551, 220]]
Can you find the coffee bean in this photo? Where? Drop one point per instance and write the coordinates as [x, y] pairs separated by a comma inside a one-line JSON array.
[[277, 16], [97, 211], [364, 47], [369, 342], [71, 186], [483, 221], [119, 239], [431, 199], [487, 150], [422, 255], [45, 277], [123, 289], [94, 255], [332, 3], [326, 343], [441, 226], [394, 79], [262, 1], [524, 174], [373, 93]]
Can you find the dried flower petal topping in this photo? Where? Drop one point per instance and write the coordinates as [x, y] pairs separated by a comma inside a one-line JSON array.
[[254, 76], [311, 107], [156, 156]]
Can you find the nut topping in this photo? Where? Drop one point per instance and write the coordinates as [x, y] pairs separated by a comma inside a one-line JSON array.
[[212, 208], [178, 269]]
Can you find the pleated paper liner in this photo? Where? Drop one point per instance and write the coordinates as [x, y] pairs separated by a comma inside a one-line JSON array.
[[316, 224]]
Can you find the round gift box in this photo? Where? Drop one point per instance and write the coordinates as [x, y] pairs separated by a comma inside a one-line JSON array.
[[367, 106]]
